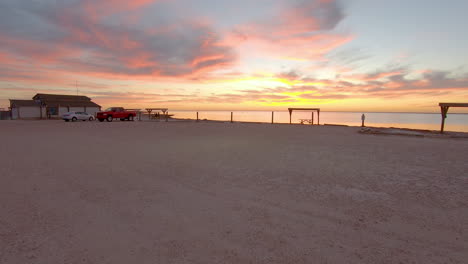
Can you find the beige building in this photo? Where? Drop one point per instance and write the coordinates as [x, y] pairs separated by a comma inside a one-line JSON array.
[[51, 106]]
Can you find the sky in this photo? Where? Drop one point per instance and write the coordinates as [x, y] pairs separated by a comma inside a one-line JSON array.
[[354, 55]]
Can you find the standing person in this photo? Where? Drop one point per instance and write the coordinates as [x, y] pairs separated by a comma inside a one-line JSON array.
[[363, 118]]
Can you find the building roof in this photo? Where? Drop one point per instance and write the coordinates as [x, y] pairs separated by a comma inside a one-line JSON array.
[[71, 103], [65, 100], [14, 102], [303, 109], [56, 100], [60, 97]]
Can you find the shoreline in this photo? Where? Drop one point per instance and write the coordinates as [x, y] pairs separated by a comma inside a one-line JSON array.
[[321, 111], [377, 129], [427, 131]]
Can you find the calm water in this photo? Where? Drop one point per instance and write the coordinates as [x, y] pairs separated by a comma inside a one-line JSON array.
[[454, 122]]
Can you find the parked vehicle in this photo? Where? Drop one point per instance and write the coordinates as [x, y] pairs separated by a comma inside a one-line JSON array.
[[116, 112], [75, 116]]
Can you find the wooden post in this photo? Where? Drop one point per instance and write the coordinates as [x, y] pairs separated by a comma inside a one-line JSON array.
[[167, 115], [197, 116], [231, 117], [443, 110], [290, 114], [272, 116], [318, 117], [312, 118], [149, 113]]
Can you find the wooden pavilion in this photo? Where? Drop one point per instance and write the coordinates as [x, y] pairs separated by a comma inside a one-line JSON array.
[[444, 107], [305, 109]]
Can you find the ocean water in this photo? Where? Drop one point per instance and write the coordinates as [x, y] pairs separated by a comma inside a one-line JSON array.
[[454, 122]]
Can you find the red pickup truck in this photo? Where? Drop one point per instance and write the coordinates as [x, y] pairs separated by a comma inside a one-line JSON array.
[[115, 112]]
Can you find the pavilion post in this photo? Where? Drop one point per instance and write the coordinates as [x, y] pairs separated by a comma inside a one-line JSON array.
[[272, 116], [149, 113], [197, 116], [318, 117], [443, 110], [231, 116], [290, 116], [167, 115], [312, 118]]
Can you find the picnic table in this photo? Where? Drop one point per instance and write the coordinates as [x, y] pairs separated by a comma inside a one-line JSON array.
[[157, 115], [310, 121]]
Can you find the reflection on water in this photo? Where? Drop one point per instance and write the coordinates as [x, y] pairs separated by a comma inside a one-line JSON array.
[[454, 122]]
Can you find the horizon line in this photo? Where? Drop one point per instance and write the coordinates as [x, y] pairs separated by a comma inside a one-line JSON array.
[[383, 112]]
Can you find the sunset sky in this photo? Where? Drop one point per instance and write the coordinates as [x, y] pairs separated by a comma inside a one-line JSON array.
[[354, 55]]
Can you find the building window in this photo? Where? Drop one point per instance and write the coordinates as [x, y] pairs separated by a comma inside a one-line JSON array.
[[52, 111]]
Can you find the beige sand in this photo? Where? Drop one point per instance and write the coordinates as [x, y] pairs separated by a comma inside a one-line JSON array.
[[183, 192]]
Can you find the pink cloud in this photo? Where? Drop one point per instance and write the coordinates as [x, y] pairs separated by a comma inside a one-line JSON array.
[[298, 31], [6, 58], [85, 45], [96, 10]]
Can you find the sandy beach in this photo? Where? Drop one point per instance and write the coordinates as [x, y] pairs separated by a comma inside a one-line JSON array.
[[186, 192]]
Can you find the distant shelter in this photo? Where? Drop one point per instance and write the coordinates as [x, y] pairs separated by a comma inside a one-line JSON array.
[[51, 106]]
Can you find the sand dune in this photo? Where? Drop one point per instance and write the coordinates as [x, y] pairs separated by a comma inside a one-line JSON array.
[[185, 192]]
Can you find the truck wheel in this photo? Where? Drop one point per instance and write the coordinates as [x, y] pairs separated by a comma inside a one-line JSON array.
[[109, 119], [130, 118], [91, 118], [74, 119], [101, 119]]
